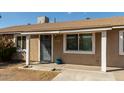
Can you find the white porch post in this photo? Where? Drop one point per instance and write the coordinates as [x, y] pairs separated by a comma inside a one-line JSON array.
[[52, 48], [14, 40], [103, 51], [27, 50]]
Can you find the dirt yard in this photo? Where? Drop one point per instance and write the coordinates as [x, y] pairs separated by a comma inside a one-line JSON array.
[[10, 72]]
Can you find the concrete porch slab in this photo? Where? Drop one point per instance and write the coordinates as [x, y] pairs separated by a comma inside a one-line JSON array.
[[71, 72], [76, 75]]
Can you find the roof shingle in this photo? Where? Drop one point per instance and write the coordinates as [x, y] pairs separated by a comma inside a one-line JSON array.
[[81, 24]]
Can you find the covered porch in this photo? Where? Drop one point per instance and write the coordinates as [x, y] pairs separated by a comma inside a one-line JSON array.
[[102, 31]]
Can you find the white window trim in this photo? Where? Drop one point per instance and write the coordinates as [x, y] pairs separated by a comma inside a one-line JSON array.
[[79, 52], [15, 41], [121, 33]]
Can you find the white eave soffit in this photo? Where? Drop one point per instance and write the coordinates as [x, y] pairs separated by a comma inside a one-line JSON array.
[[86, 30], [114, 27], [70, 31]]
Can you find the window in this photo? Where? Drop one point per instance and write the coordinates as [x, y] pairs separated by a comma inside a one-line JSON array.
[[121, 42], [79, 43], [21, 42], [85, 42], [72, 42]]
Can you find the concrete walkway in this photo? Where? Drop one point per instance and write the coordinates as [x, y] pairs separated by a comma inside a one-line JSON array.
[[78, 75], [69, 72]]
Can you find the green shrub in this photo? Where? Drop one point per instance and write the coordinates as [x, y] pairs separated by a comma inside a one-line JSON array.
[[7, 53], [7, 48]]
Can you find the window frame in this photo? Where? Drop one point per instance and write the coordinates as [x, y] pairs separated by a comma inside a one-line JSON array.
[[76, 42], [83, 42], [78, 51], [121, 42], [19, 50]]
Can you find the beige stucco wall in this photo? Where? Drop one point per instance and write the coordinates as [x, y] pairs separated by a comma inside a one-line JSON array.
[[85, 59], [34, 48], [113, 57]]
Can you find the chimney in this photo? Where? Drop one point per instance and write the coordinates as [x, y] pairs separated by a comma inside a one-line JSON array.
[[42, 19]]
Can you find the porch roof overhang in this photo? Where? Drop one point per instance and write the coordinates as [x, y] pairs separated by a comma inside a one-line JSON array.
[[86, 30], [69, 31]]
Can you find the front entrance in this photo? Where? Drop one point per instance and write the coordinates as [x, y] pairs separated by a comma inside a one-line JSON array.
[[45, 48]]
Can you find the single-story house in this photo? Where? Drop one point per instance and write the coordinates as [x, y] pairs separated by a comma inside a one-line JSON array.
[[95, 42]]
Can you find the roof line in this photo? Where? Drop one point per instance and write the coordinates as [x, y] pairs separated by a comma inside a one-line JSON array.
[[69, 31]]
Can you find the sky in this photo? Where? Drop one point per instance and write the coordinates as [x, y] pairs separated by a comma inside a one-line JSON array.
[[23, 18]]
